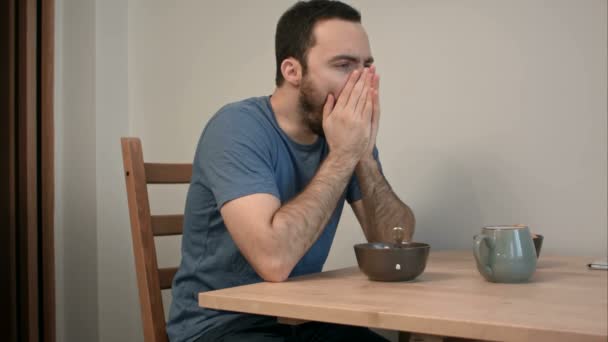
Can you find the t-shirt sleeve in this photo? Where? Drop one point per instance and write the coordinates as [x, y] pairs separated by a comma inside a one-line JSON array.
[[235, 156], [353, 191]]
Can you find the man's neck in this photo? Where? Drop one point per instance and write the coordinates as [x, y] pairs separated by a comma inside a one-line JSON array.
[[284, 103]]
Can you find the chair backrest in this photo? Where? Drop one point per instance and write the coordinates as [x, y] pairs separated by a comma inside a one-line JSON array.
[[144, 227]]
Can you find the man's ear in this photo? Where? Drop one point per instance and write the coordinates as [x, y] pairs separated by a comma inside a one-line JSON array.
[[292, 71]]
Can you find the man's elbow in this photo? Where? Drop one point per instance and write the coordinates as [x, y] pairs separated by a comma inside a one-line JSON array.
[[274, 270]]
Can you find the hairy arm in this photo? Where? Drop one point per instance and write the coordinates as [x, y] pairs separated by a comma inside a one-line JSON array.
[[380, 209], [274, 237]]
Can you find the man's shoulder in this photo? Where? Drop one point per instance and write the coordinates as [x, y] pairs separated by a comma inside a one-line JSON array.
[[243, 112], [240, 121]]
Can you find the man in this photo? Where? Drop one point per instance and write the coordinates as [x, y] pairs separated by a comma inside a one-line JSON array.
[[271, 175]]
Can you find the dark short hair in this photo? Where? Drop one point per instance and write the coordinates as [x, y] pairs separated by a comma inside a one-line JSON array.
[[294, 35]]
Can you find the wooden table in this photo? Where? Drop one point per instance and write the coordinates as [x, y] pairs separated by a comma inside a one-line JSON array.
[[563, 302]]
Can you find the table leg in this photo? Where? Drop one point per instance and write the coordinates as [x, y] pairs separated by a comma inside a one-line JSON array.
[[291, 321], [412, 337]]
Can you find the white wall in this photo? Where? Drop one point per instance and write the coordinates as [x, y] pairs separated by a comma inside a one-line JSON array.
[[96, 284], [493, 112], [119, 318], [76, 173]]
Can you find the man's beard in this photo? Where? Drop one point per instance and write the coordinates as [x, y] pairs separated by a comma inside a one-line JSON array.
[[310, 108]]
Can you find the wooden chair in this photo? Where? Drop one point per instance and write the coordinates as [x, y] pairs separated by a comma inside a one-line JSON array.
[[144, 227]]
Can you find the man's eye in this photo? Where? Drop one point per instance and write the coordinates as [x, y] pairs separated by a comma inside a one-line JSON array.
[[343, 65]]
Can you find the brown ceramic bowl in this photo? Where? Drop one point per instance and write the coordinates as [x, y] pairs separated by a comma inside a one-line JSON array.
[[391, 261], [538, 243]]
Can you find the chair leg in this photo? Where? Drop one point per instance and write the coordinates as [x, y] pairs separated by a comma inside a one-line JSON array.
[[291, 321], [425, 338]]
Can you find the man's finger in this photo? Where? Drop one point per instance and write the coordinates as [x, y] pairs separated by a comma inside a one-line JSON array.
[[368, 109], [376, 93], [376, 82], [348, 88], [353, 100], [365, 94], [376, 106], [329, 106]]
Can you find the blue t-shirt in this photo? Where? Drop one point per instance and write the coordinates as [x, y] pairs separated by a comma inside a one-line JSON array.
[[242, 151]]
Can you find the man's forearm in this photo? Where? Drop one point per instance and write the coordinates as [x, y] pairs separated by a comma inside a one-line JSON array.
[[298, 224], [384, 210]]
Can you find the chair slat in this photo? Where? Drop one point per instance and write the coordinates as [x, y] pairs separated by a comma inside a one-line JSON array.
[[164, 225], [164, 173], [165, 275]]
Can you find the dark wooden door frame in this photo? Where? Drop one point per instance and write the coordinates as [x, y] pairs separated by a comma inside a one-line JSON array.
[[8, 263], [27, 293], [47, 165]]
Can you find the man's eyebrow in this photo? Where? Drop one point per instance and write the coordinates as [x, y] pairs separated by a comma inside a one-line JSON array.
[[351, 58]]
